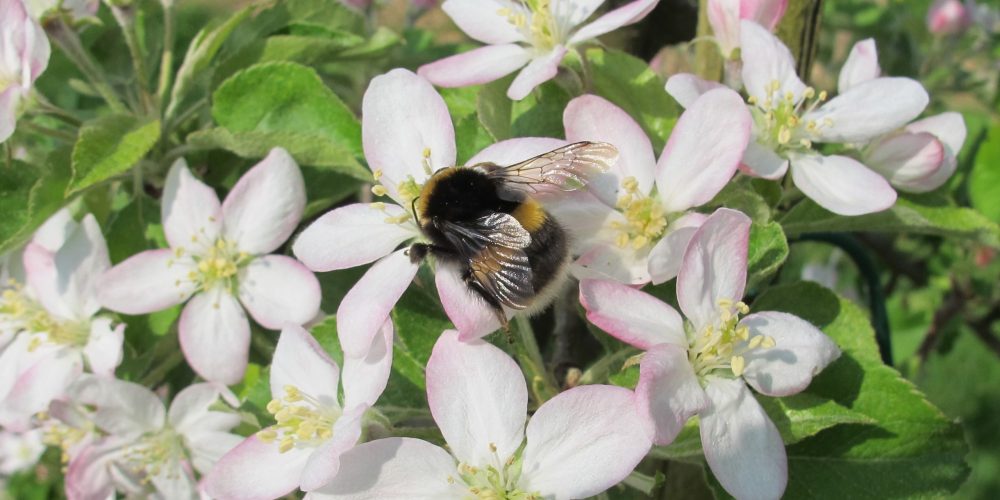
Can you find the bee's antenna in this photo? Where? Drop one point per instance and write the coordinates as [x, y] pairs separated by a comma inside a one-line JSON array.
[[413, 209]]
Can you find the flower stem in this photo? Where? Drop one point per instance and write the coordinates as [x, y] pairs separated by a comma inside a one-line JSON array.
[[48, 131], [126, 21], [69, 43], [167, 59], [44, 106], [540, 381], [156, 375]]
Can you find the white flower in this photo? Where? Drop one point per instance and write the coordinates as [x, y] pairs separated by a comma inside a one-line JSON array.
[[24, 54], [19, 450], [219, 258]]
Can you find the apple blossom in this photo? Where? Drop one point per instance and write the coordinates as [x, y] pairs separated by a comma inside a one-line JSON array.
[[303, 449], [702, 365], [60, 330], [24, 54], [408, 135], [219, 258], [948, 17], [577, 444], [77, 9], [533, 34], [146, 448], [790, 117], [19, 450], [725, 15]]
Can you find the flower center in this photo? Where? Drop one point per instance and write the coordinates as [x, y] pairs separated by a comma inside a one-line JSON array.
[[409, 190], [535, 20], [7, 79], [301, 420], [219, 263], [497, 481], [778, 118], [721, 346], [20, 312], [645, 220], [154, 451], [63, 436]]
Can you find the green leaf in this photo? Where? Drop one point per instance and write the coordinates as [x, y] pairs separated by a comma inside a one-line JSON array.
[[308, 149], [913, 451], [922, 214], [109, 146], [540, 114], [419, 322], [739, 194], [629, 82], [29, 194], [126, 234], [767, 252], [470, 138], [206, 44], [494, 108], [290, 100], [985, 176]]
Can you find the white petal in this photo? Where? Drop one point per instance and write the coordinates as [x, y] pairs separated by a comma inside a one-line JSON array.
[[841, 184], [763, 162], [948, 127], [686, 88], [123, 408], [861, 65], [56, 230], [88, 474], [714, 266], [471, 315], [512, 151], [622, 16], [300, 362], [583, 441], [477, 66], [868, 110], [352, 235], [146, 282], [668, 391], [393, 469], [801, 351], [593, 118], [574, 12], [610, 262], [402, 117], [767, 60], [190, 407], [366, 306], [908, 160], [478, 398], [365, 378], [35, 388], [481, 20], [215, 336], [724, 17], [583, 216], [265, 206], [666, 257], [256, 471], [192, 214], [324, 463], [703, 151], [66, 282], [631, 315], [540, 70], [276, 290], [104, 346], [742, 445]]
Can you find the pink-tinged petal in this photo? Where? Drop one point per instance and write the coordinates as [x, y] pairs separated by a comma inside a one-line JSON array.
[[256, 471], [593, 118], [472, 317], [43, 279], [714, 266], [352, 235], [88, 474], [761, 161], [478, 398], [742, 445], [574, 12], [767, 13], [124, 409], [367, 305], [300, 362], [948, 127], [908, 161], [206, 448], [277, 289], [724, 17], [610, 262], [481, 20], [215, 336], [402, 117], [583, 216], [477, 66], [800, 352], [841, 185], [146, 282], [20, 355], [666, 257], [868, 110], [631, 315], [947, 17], [686, 88], [191, 212], [540, 70], [20, 450], [56, 230], [583, 441], [265, 206], [174, 480], [766, 60], [324, 463], [190, 406], [861, 65], [365, 378], [668, 391], [80, 263], [629, 13], [9, 101], [48, 379], [512, 151], [704, 150], [104, 346], [393, 469]]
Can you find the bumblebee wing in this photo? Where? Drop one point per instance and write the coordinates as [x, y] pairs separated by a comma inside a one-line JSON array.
[[493, 246], [565, 169]]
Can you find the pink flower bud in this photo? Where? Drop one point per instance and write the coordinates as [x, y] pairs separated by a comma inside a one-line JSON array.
[[948, 17]]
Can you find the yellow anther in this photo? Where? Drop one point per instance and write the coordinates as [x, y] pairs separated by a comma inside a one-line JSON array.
[[806, 143], [286, 444], [639, 242], [743, 333], [784, 135], [292, 394], [427, 153], [809, 93], [377, 174], [742, 307], [203, 266], [823, 95], [267, 436], [768, 342], [378, 205], [379, 190], [738, 364], [621, 240], [755, 342], [752, 100], [493, 448]]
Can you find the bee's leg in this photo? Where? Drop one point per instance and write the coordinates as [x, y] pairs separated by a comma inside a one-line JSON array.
[[490, 301], [417, 252]]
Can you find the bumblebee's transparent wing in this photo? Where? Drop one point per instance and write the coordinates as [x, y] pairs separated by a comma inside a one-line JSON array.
[[565, 169], [493, 246]]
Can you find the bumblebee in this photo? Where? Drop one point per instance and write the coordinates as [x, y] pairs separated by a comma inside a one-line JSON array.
[[485, 220]]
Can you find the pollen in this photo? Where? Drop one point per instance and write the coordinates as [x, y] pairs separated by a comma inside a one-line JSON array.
[[301, 420], [720, 348], [645, 220], [778, 118]]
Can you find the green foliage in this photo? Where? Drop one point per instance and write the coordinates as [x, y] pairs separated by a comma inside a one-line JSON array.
[[29, 194], [109, 146], [767, 252], [985, 176]]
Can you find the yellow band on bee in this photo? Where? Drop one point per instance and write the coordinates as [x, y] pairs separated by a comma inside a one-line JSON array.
[[530, 214]]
